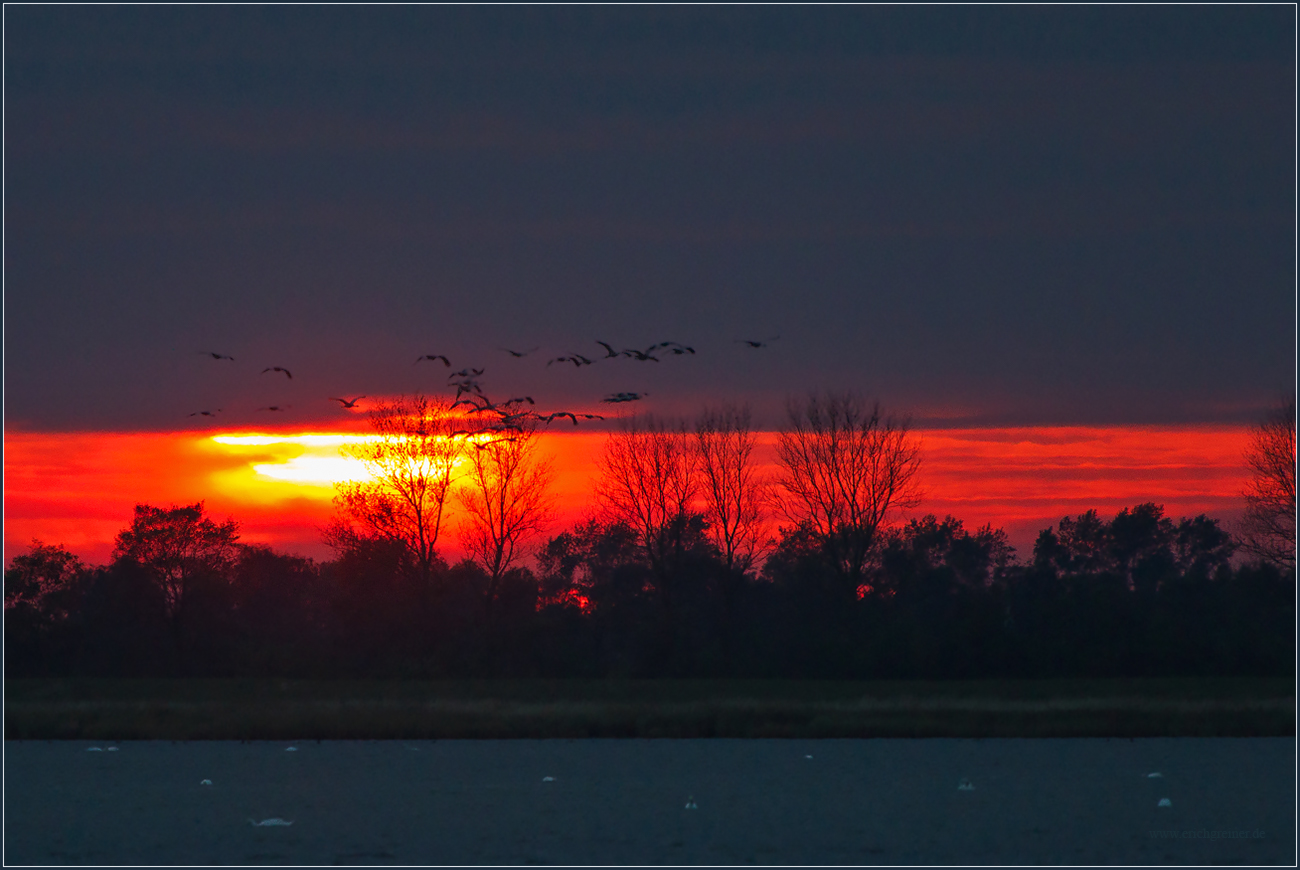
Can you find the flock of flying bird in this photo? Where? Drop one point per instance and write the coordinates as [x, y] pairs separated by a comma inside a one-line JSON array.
[[512, 414]]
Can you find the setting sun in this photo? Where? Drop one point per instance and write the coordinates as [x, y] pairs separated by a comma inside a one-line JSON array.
[[311, 459]]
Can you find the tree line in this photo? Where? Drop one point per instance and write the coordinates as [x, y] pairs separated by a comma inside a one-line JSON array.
[[692, 563]]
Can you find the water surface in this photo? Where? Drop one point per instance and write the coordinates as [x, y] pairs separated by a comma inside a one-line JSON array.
[[1033, 801]]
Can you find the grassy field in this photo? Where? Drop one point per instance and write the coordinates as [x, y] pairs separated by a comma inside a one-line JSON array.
[[297, 710]]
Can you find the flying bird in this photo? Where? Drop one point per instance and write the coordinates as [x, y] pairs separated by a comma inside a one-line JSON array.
[[572, 416], [347, 403], [676, 347], [204, 413], [489, 405], [470, 401], [609, 351], [273, 408], [216, 355], [518, 353], [642, 355], [278, 369], [469, 385], [433, 356], [753, 343], [577, 359], [615, 398], [465, 373], [515, 422], [482, 445]]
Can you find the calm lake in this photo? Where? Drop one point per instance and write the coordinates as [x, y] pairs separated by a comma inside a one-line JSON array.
[[707, 801]]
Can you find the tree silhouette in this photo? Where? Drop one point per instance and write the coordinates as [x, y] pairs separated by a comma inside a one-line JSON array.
[[410, 464], [41, 581], [506, 502], [1270, 521], [1140, 547], [44, 592], [733, 492], [845, 468], [178, 546], [648, 483]]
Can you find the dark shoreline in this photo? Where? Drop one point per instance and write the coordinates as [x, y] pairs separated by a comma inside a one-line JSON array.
[[484, 709]]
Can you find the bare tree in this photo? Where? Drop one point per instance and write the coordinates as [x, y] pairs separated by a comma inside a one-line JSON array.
[[845, 467], [418, 444], [733, 491], [506, 501], [647, 482], [1270, 521]]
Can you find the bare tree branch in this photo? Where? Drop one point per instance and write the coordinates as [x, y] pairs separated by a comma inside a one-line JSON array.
[[648, 483], [1270, 521], [734, 493], [411, 464], [845, 468], [506, 502]]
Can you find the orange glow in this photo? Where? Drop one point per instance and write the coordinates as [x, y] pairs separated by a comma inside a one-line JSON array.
[[567, 598], [78, 489]]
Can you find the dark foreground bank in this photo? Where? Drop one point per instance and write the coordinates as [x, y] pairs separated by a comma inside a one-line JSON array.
[[291, 710], [1087, 801]]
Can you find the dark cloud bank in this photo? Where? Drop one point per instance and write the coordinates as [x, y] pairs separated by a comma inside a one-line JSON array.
[[992, 215]]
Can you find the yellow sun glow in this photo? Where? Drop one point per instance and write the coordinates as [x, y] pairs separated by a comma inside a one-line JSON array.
[[320, 470], [303, 460]]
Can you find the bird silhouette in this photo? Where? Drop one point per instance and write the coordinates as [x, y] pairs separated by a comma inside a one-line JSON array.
[[433, 356], [609, 351], [488, 405], [468, 385], [204, 413], [465, 373], [518, 353], [753, 343], [572, 416], [483, 445], [216, 355], [515, 422], [273, 408], [642, 355], [615, 398], [347, 403], [577, 359], [473, 404], [674, 347], [278, 369]]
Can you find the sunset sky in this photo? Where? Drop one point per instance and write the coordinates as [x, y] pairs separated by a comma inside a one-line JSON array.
[[1061, 239]]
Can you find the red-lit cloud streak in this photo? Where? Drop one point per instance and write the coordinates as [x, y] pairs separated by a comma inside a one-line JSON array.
[[78, 490]]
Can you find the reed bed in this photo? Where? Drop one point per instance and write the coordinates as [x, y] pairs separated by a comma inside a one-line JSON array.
[[304, 710]]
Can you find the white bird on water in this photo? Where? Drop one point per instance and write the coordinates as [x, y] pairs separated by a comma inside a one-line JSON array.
[[691, 804], [1165, 802], [269, 823], [965, 785]]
